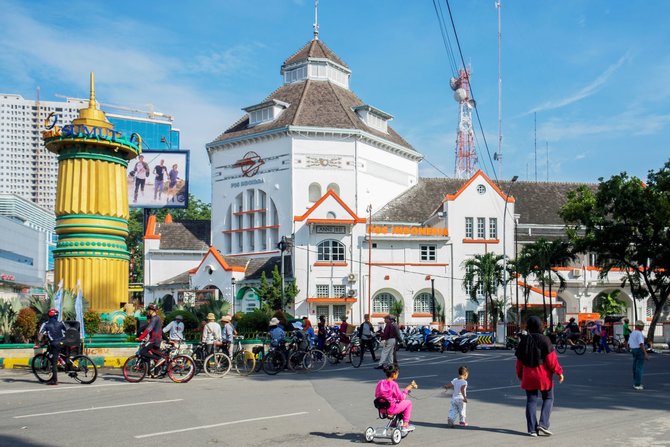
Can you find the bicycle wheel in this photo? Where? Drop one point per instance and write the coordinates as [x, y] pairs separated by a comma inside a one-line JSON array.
[[181, 369], [217, 364], [135, 369], [333, 353], [560, 346], [315, 360], [296, 361], [244, 362], [580, 347], [83, 370], [356, 356], [273, 362], [41, 366]]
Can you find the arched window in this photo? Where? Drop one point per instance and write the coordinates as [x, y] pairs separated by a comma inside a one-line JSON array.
[[331, 215], [314, 192], [423, 303], [330, 251], [381, 304], [335, 188]]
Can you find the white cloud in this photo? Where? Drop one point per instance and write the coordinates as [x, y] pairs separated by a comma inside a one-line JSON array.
[[585, 92]]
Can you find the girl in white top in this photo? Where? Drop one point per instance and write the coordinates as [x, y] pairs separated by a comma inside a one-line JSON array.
[[459, 399]]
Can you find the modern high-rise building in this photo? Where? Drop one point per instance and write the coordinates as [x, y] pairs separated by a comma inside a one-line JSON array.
[[28, 170]]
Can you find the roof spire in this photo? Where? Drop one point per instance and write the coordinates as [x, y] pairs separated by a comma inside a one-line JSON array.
[[91, 101], [91, 115], [316, 19]]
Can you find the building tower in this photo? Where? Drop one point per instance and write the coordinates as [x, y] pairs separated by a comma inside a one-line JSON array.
[[92, 205], [466, 157]]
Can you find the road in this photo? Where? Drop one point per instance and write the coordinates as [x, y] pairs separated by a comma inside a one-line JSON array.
[[596, 403]]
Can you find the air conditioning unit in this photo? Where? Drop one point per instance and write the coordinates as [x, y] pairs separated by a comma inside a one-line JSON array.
[[352, 277], [576, 273], [351, 293]]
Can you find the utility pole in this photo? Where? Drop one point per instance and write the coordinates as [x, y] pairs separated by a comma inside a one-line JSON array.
[[432, 294], [369, 210]]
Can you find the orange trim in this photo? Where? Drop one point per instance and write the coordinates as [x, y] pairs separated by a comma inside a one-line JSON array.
[[331, 221], [537, 289], [454, 196], [481, 241], [222, 262], [330, 264], [378, 315], [412, 264], [151, 228], [565, 269], [260, 210], [318, 203], [254, 253], [239, 230], [331, 300], [422, 315], [193, 270]]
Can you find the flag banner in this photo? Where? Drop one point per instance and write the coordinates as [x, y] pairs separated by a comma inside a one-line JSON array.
[[58, 301], [79, 310]]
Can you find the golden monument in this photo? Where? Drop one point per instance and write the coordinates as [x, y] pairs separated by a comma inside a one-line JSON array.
[[92, 205]]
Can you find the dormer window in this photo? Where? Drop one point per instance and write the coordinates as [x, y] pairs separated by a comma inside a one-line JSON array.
[[373, 117], [265, 111], [317, 69]]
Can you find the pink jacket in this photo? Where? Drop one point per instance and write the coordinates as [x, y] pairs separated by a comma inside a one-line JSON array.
[[390, 390]]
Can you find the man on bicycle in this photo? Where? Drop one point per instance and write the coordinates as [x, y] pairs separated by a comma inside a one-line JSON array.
[[572, 331], [227, 333], [55, 331], [154, 333]]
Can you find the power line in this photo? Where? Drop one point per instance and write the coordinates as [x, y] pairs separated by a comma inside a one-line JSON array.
[[445, 38]]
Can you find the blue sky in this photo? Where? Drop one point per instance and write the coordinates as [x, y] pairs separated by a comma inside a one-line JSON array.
[[596, 72]]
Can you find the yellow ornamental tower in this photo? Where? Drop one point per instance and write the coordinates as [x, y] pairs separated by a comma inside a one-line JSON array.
[[92, 205]]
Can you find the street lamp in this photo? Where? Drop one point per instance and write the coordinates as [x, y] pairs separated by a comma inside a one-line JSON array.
[[509, 190]]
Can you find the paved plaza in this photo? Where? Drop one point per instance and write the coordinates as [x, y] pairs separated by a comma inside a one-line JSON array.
[[595, 405]]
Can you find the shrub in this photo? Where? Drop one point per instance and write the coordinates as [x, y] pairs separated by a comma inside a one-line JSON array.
[[256, 321], [130, 325], [191, 322], [91, 322], [281, 316], [9, 310], [25, 325]]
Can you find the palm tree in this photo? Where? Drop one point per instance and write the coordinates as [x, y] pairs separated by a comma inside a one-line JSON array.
[[538, 256], [559, 254], [521, 267], [483, 275]]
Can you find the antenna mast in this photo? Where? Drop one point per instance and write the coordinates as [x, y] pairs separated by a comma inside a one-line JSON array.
[[535, 121], [466, 156], [499, 155], [316, 19]]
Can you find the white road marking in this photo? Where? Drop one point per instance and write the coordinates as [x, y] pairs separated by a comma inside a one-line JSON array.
[[489, 389], [97, 408], [222, 424], [63, 388]]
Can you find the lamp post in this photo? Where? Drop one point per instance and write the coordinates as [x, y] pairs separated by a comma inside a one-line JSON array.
[[509, 190], [232, 297], [432, 295]]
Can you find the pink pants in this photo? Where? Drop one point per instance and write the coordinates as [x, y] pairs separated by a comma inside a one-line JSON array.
[[405, 407]]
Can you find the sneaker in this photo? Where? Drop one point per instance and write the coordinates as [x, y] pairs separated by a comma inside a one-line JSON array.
[[450, 423], [463, 424], [408, 428], [533, 434], [638, 387], [543, 430]]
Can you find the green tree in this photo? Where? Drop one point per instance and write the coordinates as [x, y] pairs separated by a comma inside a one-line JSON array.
[[607, 304], [625, 221], [197, 210], [483, 275], [396, 308], [522, 267]]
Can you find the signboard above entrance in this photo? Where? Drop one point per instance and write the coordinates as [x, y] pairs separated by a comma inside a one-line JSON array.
[[407, 230]]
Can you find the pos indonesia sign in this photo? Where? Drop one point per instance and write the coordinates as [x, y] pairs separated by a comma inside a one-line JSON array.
[[158, 179]]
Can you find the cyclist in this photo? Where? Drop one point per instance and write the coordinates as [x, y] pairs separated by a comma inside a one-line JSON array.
[[55, 331], [227, 333], [211, 333], [176, 330], [154, 334], [572, 331]]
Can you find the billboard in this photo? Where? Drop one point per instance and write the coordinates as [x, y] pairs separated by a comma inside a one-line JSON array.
[[158, 179]]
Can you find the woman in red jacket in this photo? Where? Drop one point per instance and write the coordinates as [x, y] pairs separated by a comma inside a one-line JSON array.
[[535, 366]]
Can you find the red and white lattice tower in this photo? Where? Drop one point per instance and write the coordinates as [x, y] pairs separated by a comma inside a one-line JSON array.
[[466, 157]]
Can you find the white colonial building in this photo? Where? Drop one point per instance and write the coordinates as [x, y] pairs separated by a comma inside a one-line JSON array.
[[316, 165]]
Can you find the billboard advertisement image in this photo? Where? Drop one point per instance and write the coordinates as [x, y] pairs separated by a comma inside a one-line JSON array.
[[158, 179]]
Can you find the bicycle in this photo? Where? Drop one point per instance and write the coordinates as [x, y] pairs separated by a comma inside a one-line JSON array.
[[243, 360], [336, 351], [179, 368], [80, 367], [579, 345], [303, 357]]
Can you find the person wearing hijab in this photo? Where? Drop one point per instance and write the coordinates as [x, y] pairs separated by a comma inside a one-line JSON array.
[[536, 365]]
